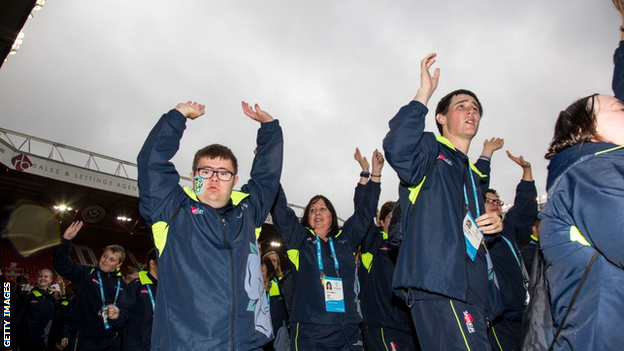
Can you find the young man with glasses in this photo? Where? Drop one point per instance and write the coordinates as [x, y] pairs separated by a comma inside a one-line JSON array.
[[505, 330], [210, 290]]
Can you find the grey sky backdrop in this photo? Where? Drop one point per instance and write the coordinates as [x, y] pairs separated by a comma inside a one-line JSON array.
[[98, 74]]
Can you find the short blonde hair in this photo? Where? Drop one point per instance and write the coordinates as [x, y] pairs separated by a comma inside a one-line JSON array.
[[117, 249]]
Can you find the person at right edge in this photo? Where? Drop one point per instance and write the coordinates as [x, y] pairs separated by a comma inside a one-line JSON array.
[[582, 221], [443, 264]]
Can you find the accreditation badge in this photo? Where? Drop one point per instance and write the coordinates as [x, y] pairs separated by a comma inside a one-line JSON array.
[[472, 235], [334, 295]]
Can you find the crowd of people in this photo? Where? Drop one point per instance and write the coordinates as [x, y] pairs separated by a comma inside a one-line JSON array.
[[441, 268]]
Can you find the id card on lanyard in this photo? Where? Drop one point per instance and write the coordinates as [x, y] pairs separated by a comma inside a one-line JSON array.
[[104, 309], [472, 234], [332, 286]]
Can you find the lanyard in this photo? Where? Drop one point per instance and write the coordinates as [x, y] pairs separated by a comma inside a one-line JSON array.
[[149, 291], [102, 290], [512, 250], [474, 192], [319, 258], [523, 269]]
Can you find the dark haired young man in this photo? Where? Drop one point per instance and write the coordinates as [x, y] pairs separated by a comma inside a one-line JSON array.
[[442, 263], [98, 290], [211, 294]]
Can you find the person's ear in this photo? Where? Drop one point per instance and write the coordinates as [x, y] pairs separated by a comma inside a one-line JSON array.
[[440, 118]]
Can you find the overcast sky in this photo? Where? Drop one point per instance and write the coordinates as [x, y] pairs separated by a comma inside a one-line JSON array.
[[98, 74]]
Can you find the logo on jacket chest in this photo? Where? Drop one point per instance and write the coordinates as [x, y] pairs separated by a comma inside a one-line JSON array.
[[443, 158], [144, 291], [197, 210]]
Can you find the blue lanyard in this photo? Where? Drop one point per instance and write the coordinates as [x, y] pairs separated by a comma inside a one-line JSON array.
[[102, 290], [474, 192], [319, 258], [149, 291], [512, 250]]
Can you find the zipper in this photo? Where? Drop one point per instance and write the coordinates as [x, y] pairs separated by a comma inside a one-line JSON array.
[[233, 314]]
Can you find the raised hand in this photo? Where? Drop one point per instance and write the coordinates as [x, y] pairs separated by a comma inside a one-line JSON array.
[[428, 83], [191, 109], [490, 223], [519, 160], [491, 145], [257, 114], [378, 163], [361, 160], [72, 231], [527, 172]]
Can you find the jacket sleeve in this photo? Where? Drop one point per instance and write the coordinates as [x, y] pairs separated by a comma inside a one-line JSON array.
[[358, 194], [408, 149], [362, 219], [266, 170], [157, 176], [618, 72], [520, 217], [65, 266], [286, 223], [485, 168]]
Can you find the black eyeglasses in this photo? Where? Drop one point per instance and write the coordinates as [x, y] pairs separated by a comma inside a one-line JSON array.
[[494, 202], [207, 173]]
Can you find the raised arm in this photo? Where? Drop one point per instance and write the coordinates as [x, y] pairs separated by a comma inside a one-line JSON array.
[[521, 216], [63, 264], [618, 57], [157, 177], [362, 219], [408, 149], [484, 164], [266, 169], [286, 223]]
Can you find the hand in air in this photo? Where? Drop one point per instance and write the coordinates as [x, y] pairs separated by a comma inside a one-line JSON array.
[[519, 160], [257, 114], [191, 110], [428, 83], [361, 160], [72, 231]]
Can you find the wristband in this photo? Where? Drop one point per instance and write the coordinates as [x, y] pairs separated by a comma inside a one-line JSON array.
[[365, 174], [621, 28], [485, 158], [375, 175]]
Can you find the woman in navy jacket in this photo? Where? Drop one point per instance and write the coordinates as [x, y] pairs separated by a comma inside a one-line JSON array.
[[321, 252], [584, 216]]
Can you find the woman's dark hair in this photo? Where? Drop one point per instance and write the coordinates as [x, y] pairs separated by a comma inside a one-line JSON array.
[[271, 272], [445, 103], [575, 125], [334, 225], [386, 209]]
